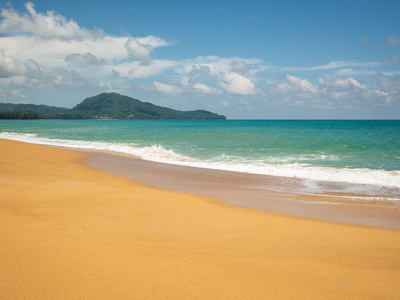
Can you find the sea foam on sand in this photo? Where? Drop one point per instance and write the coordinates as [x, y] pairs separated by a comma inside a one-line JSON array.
[[389, 179]]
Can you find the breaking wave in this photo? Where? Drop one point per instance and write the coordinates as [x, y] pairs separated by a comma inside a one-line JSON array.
[[271, 166]]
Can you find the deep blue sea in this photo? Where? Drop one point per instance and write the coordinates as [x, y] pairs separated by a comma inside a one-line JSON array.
[[365, 153]]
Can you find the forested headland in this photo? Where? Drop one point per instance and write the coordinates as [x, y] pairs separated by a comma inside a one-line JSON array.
[[103, 106]]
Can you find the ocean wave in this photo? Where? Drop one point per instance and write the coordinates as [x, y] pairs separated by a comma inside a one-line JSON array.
[[224, 162], [305, 171]]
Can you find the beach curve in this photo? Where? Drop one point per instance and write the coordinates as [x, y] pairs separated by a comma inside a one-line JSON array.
[[69, 231]]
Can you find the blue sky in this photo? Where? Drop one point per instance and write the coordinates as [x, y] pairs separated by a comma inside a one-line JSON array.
[[244, 59]]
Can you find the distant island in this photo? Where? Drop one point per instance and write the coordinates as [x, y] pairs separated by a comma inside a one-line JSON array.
[[104, 106]]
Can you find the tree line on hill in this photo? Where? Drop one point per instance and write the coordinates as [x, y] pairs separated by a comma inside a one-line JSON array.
[[104, 106], [19, 115]]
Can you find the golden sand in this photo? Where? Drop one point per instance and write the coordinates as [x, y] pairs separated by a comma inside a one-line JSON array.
[[70, 232]]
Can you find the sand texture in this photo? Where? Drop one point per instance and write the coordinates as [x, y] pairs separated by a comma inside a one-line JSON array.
[[68, 231], [260, 192]]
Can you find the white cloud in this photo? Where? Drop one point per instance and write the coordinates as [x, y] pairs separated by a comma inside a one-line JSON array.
[[241, 66], [31, 74], [201, 66], [338, 83], [200, 70], [352, 72], [328, 93], [138, 50], [393, 59], [49, 38], [393, 41], [59, 79], [47, 26], [167, 88], [115, 87], [389, 90], [206, 89], [236, 84], [214, 66], [53, 52], [12, 94], [296, 91], [246, 104], [153, 41], [18, 94], [225, 103], [390, 73], [185, 85], [85, 59], [327, 86], [332, 93], [296, 85], [333, 65], [186, 81], [138, 69], [345, 90], [10, 67], [142, 48]]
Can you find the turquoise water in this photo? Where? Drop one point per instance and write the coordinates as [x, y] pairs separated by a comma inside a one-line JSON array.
[[359, 152]]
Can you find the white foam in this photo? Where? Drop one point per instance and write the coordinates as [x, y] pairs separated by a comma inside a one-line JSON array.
[[223, 162], [153, 153], [356, 176]]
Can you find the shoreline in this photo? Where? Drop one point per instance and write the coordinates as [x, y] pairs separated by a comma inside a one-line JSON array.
[[72, 232], [249, 191], [375, 183]]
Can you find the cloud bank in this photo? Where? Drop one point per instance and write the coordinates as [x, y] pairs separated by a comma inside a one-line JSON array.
[[332, 93], [85, 59], [47, 26]]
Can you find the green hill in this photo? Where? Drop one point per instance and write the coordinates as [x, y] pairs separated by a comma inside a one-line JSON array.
[[116, 106], [19, 115], [41, 109], [110, 106]]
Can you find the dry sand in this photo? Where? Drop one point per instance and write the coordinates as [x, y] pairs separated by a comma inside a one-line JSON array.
[[70, 232]]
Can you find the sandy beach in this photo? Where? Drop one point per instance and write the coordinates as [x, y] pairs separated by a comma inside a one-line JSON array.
[[69, 231], [260, 192]]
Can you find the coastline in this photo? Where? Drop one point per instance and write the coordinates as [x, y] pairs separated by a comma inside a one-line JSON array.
[[260, 192], [70, 231]]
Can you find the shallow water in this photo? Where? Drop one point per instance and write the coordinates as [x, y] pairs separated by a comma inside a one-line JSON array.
[[349, 157]]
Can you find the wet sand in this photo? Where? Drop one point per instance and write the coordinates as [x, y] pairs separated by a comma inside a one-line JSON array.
[[267, 193], [68, 231]]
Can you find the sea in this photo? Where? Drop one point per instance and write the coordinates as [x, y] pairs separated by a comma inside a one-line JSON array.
[[357, 158]]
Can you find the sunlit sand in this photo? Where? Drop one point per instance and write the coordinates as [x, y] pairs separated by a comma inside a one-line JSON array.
[[68, 231]]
